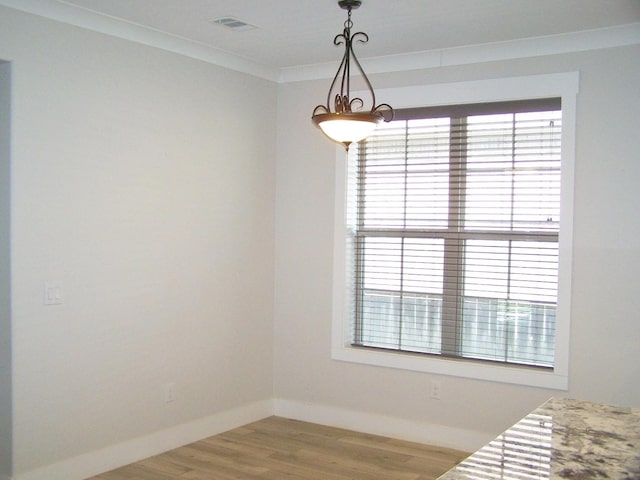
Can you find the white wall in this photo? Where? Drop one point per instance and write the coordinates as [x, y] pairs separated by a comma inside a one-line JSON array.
[[605, 330], [143, 183], [5, 274]]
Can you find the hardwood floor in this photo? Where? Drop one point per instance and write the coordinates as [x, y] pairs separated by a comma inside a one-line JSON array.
[[277, 448]]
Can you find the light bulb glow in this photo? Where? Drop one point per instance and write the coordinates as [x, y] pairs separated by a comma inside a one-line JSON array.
[[347, 128]]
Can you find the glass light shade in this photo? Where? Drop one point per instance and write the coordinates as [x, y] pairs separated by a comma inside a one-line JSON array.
[[347, 128]]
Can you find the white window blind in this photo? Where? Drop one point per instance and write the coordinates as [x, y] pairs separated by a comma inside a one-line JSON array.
[[456, 232]]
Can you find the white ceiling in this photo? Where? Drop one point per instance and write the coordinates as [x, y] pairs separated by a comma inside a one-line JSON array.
[[292, 33]]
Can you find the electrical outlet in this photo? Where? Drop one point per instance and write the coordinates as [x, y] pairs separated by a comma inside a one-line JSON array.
[[169, 392], [436, 389]]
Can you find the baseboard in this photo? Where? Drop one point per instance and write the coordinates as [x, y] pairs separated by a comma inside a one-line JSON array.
[[114, 456], [93, 463], [421, 432]]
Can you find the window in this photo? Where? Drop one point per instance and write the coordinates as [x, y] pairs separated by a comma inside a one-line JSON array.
[[456, 238], [453, 247]]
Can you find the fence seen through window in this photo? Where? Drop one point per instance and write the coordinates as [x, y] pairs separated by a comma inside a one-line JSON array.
[[456, 238]]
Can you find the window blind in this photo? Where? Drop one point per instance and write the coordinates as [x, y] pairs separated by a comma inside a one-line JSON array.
[[456, 235]]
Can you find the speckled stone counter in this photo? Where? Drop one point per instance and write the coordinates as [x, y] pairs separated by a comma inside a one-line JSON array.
[[561, 439]]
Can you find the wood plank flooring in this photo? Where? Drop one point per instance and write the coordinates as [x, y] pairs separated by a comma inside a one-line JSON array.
[[282, 449]]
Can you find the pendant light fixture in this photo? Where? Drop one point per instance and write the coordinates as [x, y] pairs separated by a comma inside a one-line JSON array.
[[349, 121]]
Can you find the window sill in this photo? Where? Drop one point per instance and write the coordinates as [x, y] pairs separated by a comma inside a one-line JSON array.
[[511, 374]]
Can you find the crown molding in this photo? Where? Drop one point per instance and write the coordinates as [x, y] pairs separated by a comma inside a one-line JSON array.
[[585, 40], [617, 36], [134, 32]]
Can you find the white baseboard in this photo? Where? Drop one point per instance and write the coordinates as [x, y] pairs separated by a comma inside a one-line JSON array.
[[115, 456], [130, 451], [421, 432]]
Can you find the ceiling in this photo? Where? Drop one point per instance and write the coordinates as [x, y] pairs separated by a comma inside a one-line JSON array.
[[293, 33]]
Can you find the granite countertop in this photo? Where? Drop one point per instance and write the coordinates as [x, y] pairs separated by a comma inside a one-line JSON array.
[[561, 439]]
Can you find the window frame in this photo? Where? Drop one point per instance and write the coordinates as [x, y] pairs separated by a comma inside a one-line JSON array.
[[563, 85]]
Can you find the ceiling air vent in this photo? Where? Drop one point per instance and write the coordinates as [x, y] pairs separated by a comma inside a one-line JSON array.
[[233, 23]]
